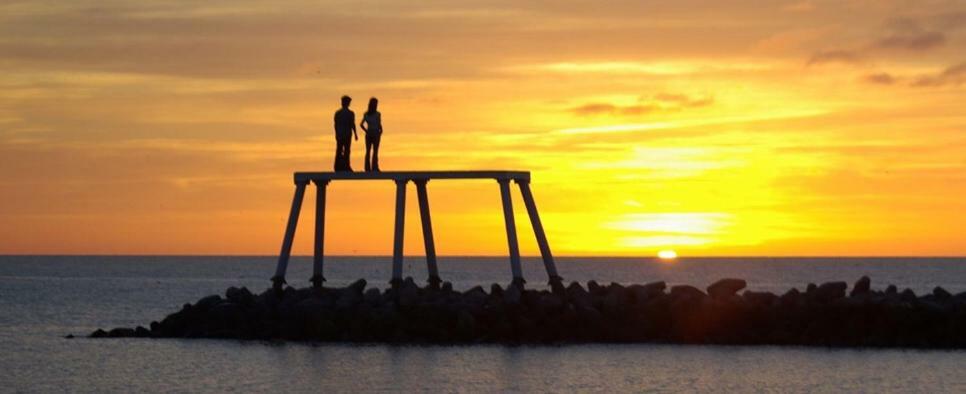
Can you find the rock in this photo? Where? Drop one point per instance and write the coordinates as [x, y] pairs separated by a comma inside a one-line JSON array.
[[726, 288], [69, 336], [908, 295], [614, 301], [792, 298], [408, 313], [408, 293], [941, 294], [594, 288], [121, 333], [447, 287], [373, 297], [830, 291], [239, 296], [141, 332], [762, 298], [496, 290], [861, 287], [360, 285], [686, 292], [578, 296], [512, 295], [891, 290], [655, 289], [207, 302]]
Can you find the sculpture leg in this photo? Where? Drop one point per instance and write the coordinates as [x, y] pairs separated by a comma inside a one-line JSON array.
[[293, 218], [555, 281], [433, 270], [318, 256], [511, 233], [397, 249]]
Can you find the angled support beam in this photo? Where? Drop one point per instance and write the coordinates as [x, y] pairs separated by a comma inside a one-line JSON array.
[[555, 281], [397, 248], [432, 268], [318, 257], [293, 218], [511, 233]]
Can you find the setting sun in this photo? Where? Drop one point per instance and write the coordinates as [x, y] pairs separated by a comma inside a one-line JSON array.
[[667, 255]]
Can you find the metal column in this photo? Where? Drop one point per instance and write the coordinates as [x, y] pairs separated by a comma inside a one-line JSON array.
[[397, 249], [318, 257], [511, 233], [293, 218], [434, 279], [554, 278]]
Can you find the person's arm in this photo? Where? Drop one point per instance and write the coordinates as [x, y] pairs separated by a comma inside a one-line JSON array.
[[363, 124], [335, 123], [353, 123]]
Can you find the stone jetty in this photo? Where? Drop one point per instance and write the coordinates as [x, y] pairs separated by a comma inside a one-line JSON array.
[[827, 314]]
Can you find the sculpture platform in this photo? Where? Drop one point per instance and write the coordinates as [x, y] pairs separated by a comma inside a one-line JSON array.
[[420, 179]]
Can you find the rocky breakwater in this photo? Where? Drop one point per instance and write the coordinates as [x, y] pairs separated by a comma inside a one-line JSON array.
[[822, 315]]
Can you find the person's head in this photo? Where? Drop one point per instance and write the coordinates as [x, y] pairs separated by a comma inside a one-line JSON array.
[[373, 104], [345, 101]]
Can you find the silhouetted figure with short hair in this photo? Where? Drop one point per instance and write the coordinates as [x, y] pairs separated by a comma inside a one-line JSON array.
[[345, 128], [372, 125]]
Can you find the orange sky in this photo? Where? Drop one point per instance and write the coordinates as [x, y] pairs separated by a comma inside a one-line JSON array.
[[710, 128]]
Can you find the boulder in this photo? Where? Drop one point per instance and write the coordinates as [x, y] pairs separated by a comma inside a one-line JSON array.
[[792, 298], [908, 295], [941, 294], [240, 296], [726, 288], [512, 295], [208, 302], [121, 333], [762, 298], [373, 297], [655, 289], [686, 292], [861, 287], [830, 291]]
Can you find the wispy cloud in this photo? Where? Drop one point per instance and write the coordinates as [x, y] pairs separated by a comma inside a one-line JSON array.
[[952, 76]]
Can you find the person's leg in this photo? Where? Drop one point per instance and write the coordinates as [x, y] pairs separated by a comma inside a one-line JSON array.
[[375, 151], [338, 155], [348, 154], [368, 150]]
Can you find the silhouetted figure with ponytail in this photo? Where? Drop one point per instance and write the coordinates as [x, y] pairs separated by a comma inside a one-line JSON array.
[[345, 128], [372, 125]]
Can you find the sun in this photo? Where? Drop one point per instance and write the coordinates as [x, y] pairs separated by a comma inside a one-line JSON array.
[[667, 255]]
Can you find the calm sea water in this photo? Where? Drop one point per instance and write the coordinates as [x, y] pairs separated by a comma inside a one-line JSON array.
[[44, 298]]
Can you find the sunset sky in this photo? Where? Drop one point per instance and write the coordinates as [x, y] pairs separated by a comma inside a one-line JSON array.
[[709, 128]]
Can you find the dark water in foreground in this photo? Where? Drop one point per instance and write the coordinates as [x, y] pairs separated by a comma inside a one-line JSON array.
[[44, 298]]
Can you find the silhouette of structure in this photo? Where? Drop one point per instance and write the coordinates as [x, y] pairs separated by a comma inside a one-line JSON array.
[[420, 178]]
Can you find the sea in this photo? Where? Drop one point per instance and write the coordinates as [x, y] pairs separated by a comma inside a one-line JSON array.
[[45, 298]]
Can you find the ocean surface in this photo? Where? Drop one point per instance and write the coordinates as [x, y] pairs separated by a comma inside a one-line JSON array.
[[44, 298]]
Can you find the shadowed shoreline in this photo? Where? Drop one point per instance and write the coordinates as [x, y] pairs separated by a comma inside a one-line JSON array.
[[822, 315]]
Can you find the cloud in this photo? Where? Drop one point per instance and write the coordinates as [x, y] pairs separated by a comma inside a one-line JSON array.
[[607, 109], [952, 75], [665, 102], [908, 34], [684, 101], [880, 78], [834, 56]]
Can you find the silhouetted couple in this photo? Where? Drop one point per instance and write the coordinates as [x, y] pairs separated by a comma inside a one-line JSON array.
[[345, 129]]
